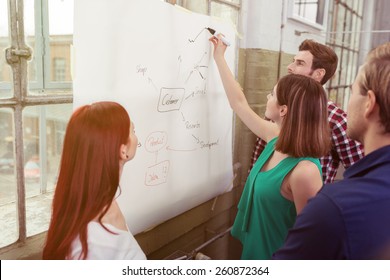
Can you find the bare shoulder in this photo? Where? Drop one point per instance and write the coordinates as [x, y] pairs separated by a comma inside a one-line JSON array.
[[305, 182], [305, 170]]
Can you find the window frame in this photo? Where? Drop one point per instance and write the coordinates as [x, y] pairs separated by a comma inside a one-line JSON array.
[[291, 15], [48, 84], [348, 46], [17, 56]]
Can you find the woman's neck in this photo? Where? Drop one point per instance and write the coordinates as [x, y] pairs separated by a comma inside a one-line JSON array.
[[114, 217]]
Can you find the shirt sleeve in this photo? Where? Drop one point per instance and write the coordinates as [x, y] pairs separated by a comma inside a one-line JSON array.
[[348, 150], [318, 233], [259, 148]]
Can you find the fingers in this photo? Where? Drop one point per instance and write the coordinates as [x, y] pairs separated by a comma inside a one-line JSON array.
[[219, 46], [216, 40]]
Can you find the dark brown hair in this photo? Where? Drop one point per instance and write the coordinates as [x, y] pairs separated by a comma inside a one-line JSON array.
[[323, 57], [305, 129]]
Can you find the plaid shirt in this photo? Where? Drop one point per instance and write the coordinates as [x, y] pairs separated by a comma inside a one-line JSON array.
[[344, 149]]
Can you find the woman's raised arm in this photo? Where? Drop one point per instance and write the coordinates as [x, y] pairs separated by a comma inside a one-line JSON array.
[[262, 128]]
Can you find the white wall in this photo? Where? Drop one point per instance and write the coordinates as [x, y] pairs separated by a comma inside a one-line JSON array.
[[260, 24], [265, 25]]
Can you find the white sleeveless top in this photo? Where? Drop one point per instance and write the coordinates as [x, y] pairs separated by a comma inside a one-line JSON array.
[[104, 245]]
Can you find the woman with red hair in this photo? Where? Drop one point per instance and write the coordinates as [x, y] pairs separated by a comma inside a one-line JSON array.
[[86, 221]]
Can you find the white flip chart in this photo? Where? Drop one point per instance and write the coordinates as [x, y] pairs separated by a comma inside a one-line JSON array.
[[155, 59]]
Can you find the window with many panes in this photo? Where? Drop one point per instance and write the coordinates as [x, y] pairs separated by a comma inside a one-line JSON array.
[[311, 12], [226, 9], [344, 26], [36, 103]]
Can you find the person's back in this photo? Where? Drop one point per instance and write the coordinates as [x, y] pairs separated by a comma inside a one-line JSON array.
[[364, 196], [350, 219], [117, 244], [86, 221], [297, 108], [319, 62], [264, 212], [351, 213]]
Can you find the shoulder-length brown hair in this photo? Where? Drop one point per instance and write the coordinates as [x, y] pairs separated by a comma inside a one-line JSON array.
[[89, 174], [305, 129]]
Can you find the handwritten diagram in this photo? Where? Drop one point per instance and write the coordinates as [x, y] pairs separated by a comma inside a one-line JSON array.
[[156, 60], [191, 85]]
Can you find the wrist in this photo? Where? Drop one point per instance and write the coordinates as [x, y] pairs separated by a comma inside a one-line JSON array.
[[219, 58]]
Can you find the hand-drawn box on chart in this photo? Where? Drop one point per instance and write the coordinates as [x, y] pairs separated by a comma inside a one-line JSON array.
[[156, 141], [170, 99], [157, 174]]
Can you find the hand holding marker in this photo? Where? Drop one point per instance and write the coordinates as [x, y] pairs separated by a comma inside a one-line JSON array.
[[215, 34]]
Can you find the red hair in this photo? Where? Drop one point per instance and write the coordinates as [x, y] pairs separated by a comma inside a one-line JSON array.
[[89, 174]]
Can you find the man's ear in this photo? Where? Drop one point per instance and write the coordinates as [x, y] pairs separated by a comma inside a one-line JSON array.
[[319, 74], [370, 104]]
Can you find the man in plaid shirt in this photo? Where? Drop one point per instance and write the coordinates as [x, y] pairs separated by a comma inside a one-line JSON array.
[[319, 62]]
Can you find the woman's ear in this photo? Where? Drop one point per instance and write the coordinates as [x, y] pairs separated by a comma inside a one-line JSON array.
[[283, 110], [123, 152]]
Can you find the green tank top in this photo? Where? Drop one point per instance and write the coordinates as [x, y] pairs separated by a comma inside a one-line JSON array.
[[264, 216]]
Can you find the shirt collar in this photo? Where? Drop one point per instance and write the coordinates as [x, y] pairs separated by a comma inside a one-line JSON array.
[[377, 157]]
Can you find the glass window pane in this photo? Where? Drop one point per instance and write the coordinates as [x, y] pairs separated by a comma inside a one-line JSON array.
[[201, 6], [233, 1], [8, 220], [61, 39], [357, 26], [197, 6], [225, 12], [29, 29], [5, 69], [339, 24], [311, 10], [44, 128]]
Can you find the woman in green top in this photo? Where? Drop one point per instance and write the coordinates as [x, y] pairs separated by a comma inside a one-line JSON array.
[[288, 172]]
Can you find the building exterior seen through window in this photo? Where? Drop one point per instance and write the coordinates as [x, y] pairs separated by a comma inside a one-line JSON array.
[[33, 118]]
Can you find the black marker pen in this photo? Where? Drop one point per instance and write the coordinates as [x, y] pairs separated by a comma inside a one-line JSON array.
[[214, 33]]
